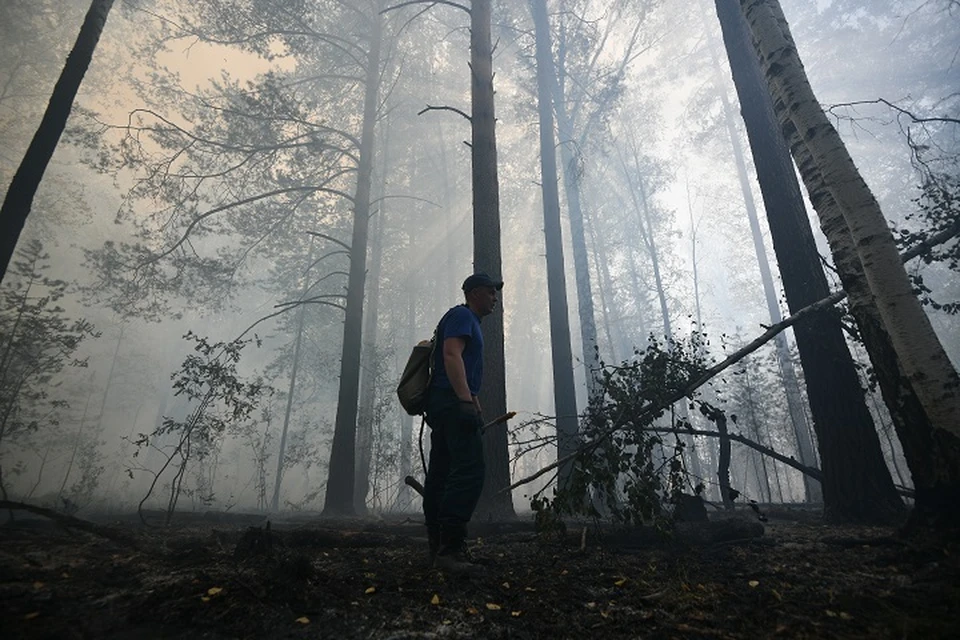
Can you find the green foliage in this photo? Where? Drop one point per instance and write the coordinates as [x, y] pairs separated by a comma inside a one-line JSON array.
[[37, 342], [222, 400], [938, 211], [234, 171], [628, 474]]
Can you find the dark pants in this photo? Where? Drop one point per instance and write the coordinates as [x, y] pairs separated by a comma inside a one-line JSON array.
[[455, 473]]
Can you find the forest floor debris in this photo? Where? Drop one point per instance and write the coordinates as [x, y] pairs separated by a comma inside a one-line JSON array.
[[370, 579]]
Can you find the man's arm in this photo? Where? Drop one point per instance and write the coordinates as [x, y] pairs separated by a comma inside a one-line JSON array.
[[453, 364]]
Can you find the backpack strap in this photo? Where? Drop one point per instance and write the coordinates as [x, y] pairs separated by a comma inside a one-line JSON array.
[[435, 341], [430, 368]]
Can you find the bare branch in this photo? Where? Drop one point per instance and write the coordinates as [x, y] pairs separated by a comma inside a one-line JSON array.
[[813, 472], [326, 255], [896, 108], [444, 108], [320, 299], [324, 277], [936, 239], [263, 319], [200, 218], [404, 197], [330, 238], [432, 3]]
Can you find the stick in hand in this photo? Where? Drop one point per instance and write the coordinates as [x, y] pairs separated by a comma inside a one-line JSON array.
[[414, 484]]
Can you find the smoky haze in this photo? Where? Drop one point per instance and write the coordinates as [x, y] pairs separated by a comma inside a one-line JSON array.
[[194, 231]]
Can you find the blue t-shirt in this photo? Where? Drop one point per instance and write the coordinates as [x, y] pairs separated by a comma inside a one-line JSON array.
[[460, 322]]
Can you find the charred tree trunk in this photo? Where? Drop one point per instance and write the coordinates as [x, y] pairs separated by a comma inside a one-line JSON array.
[[76, 447], [571, 183], [723, 465], [291, 390], [340, 485], [370, 369], [856, 482], [791, 385], [607, 302], [564, 391], [19, 199], [494, 504]]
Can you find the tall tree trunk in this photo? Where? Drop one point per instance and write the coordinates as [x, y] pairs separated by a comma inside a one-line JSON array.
[[106, 390], [856, 482], [23, 187], [340, 485], [76, 446], [607, 302], [572, 175], [369, 370], [638, 194], [486, 257], [723, 460], [639, 298], [693, 260], [564, 391], [696, 466], [920, 377], [788, 376], [291, 391]]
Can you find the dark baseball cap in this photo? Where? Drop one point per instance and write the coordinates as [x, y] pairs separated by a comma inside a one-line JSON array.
[[481, 280]]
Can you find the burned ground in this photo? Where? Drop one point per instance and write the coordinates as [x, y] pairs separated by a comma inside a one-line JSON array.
[[365, 579]]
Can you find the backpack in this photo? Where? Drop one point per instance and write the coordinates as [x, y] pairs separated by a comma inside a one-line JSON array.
[[417, 374]]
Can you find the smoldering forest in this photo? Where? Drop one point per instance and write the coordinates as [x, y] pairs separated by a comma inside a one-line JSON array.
[[727, 337]]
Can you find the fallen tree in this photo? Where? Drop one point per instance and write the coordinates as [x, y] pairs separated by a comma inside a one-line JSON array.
[[771, 332]]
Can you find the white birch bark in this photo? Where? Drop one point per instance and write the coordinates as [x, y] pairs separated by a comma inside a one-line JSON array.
[[921, 354]]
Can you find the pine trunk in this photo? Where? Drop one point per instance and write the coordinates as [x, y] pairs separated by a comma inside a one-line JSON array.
[[788, 376], [340, 483], [369, 370], [19, 199], [493, 505], [291, 391], [607, 302], [581, 266], [564, 391]]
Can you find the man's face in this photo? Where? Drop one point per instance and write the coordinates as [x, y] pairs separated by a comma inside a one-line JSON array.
[[483, 300]]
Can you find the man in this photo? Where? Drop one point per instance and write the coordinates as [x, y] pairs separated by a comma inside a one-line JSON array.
[[455, 473]]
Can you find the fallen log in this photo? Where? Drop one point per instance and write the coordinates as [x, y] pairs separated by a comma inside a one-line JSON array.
[[71, 522]]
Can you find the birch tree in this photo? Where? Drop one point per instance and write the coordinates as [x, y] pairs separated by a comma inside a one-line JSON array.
[[875, 279]]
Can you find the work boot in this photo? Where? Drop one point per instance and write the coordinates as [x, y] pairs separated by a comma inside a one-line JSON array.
[[453, 556], [433, 541]]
